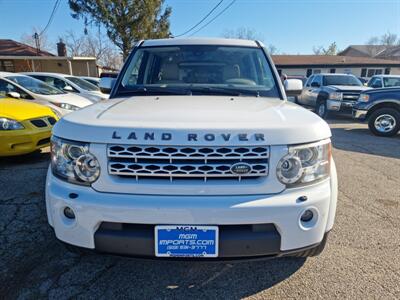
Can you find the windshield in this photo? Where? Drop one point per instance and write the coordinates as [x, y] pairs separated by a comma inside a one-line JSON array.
[[391, 81], [83, 84], [342, 80], [35, 86], [198, 69]]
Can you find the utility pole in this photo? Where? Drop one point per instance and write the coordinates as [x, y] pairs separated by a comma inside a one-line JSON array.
[[37, 42]]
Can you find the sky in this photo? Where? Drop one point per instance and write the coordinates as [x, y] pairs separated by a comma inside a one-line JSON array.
[[292, 26]]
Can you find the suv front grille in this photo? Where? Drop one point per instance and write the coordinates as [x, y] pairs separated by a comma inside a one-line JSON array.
[[180, 162]]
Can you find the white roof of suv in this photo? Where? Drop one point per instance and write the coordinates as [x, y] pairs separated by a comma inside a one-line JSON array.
[[199, 41]]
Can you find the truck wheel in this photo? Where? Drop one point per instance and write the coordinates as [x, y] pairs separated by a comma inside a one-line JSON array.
[[322, 110], [384, 122]]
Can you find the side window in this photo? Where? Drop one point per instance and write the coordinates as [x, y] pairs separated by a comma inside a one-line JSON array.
[[309, 80], [6, 87], [318, 80]]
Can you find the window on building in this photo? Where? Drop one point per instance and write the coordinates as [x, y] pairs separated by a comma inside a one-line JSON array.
[[363, 72], [316, 71], [372, 72], [279, 72], [332, 71], [7, 66], [309, 72], [387, 71]]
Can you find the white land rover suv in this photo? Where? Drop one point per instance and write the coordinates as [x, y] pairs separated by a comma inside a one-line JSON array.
[[197, 154]]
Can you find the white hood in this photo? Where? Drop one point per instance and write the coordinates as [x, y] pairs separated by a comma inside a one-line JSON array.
[[240, 118], [66, 98]]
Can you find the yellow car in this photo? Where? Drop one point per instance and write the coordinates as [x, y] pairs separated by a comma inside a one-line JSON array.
[[24, 127]]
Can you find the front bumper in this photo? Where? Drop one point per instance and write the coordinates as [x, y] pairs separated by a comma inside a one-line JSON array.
[[17, 142], [339, 105], [113, 222], [360, 114]]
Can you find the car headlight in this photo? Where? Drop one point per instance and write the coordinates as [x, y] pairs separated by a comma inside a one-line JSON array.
[[335, 96], [305, 164], [66, 106], [9, 124], [73, 162], [363, 98]]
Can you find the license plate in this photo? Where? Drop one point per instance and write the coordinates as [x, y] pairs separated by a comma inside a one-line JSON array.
[[186, 241]]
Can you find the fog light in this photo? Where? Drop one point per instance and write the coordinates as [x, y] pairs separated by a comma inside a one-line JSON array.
[[69, 213], [307, 216]]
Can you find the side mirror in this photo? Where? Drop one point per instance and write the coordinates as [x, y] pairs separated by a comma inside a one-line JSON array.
[[106, 84], [293, 87], [15, 95], [315, 84], [68, 88]]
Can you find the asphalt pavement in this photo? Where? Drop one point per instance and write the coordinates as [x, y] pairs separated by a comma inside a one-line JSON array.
[[361, 260]]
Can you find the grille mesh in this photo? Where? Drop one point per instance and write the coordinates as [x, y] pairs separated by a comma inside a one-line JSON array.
[[178, 162]]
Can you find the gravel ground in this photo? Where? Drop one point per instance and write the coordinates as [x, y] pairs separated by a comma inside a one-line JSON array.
[[362, 258]]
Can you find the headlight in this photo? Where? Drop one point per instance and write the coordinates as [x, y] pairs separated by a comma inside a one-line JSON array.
[[335, 96], [363, 98], [66, 106], [9, 124], [57, 113], [305, 164], [73, 162]]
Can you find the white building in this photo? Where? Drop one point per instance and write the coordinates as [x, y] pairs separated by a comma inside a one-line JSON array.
[[305, 65]]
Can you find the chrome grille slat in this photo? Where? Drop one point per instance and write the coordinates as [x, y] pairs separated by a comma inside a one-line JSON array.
[[196, 162]]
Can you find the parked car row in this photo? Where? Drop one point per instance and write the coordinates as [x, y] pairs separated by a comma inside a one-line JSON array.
[[31, 103], [378, 103]]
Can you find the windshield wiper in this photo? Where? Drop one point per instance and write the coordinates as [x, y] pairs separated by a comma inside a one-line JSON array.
[[225, 91], [156, 90]]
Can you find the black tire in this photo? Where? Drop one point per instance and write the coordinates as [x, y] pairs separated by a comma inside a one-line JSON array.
[[322, 110], [384, 122]]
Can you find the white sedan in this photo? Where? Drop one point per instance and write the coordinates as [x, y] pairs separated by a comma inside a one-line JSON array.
[[27, 88]]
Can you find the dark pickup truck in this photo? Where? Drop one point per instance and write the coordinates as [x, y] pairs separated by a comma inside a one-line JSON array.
[[381, 108]]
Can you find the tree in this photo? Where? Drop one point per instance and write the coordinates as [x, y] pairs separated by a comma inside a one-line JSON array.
[[126, 21], [245, 33], [387, 39], [332, 49], [93, 45]]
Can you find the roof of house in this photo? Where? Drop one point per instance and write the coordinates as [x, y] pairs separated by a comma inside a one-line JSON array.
[[330, 60], [13, 48], [374, 50]]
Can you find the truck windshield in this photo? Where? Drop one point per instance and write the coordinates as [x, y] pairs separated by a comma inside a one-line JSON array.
[[342, 80], [199, 69]]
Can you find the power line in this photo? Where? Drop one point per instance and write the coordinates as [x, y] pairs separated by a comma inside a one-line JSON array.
[[205, 25], [202, 20], [51, 16]]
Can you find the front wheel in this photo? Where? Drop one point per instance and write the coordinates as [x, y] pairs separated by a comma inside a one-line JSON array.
[[322, 110], [384, 122]]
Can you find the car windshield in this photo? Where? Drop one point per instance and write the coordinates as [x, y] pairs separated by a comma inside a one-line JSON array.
[[83, 84], [35, 86], [391, 81], [199, 69], [342, 80]]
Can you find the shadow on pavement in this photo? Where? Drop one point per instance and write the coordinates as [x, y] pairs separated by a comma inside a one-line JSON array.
[[32, 158], [363, 141]]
